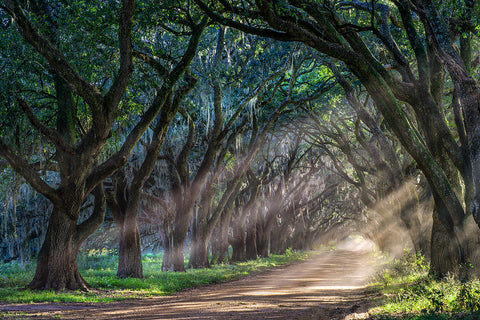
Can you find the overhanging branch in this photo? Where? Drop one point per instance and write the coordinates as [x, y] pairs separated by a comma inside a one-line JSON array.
[[51, 134], [89, 93], [31, 176]]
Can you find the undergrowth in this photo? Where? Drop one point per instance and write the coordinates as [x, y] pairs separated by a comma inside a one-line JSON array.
[[99, 270], [409, 291]]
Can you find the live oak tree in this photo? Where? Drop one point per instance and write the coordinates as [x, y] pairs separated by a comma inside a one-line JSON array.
[[290, 90], [279, 206], [125, 198], [287, 94], [403, 53], [299, 182], [186, 187], [74, 106], [78, 153], [361, 154], [210, 213], [245, 210], [57, 267]]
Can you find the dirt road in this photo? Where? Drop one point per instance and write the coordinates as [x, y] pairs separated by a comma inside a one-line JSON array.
[[327, 286]]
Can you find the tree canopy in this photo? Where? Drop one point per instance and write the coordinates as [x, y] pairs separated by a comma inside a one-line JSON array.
[[257, 125]]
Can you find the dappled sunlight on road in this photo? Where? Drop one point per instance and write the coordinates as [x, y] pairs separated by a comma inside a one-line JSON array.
[[326, 286]]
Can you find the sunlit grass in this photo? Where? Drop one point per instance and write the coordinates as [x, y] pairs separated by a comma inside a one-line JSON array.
[[99, 270], [410, 292]]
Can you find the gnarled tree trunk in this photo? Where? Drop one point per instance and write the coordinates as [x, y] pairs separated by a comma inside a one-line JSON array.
[[125, 217], [57, 266], [199, 248], [177, 252], [444, 252], [129, 250]]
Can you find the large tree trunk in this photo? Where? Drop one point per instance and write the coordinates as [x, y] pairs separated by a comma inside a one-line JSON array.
[[174, 255], [263, 239], [167, 244], [309, 242], [129, 250], [221, 239], [173, 252], [199, 249], [251, 239], [57, 266], [216, 246], [278, 239], [299, 236], [218, 219], [444, 253], [120, 201], [200, 238], [238, 240], [239, 227], [177, 258], [410, 214], [126, 203]]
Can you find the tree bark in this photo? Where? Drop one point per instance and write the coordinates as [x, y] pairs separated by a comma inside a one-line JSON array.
[[251, 238], [263, 239], [221, 239], [125, 217], [57, 266], [167, 245], [238, 240], [299, 236], [278, 238], [199, 248], [129, 250], [444, 253], [177, 256]]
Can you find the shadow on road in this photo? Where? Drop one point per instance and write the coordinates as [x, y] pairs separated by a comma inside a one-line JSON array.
[[329, 285]]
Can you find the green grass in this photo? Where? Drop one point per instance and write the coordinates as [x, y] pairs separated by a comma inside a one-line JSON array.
[[430, 316], [409, 292], [14, 315], [100, 271]]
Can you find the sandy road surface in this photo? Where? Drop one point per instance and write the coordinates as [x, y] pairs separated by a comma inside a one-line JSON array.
[[327, 286]]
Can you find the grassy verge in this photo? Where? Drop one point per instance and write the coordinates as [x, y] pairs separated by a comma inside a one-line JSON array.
[[100, 271], [409, 292]]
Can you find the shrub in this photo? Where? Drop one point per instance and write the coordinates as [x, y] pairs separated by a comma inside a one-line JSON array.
[[410, 291]]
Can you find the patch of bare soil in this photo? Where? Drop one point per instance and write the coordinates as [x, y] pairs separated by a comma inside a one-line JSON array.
[[327, 286]]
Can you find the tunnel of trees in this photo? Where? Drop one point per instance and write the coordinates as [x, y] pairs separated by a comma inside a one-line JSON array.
[[229, 130]]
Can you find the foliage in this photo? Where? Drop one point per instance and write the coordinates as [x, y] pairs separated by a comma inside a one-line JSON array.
[[99, 270], [410, 292], [361, 143]]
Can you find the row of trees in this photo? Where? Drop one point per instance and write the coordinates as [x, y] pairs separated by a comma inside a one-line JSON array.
[[416, 61], [193, 119]]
